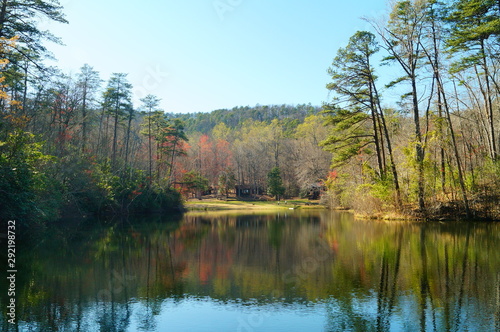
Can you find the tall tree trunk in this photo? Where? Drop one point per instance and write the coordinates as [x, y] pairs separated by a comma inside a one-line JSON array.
[[25, 88], [115, 129], [84, 117], [382, 142], [172, 159], [375, 128], [127, 137], [419, 150], [3, 16], [115, 140], [463, 190], [489, 103], [105, 141], [150, 150], [158, 161], [389, 148], [97, 147], [442, 170]]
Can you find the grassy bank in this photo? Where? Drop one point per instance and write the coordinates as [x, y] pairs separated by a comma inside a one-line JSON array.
[[212, 204], [451, 212]]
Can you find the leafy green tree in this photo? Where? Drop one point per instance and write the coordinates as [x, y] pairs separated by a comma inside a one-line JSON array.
[[222, 131], [172, 144], [169, 136], [275, 183], [237, 116], [24, 185], [227, 180], [159, 122], [16, 79], [195, 182]]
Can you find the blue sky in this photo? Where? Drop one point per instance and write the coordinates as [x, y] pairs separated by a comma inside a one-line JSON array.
[[202, 55]]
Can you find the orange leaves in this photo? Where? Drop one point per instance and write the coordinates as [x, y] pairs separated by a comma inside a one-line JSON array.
[[224, 153], [5, 45], [136, 192], [332, 175], [214, 157], [331, 179]]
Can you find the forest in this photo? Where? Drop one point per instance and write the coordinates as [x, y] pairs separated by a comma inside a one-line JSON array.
[[77, 144]]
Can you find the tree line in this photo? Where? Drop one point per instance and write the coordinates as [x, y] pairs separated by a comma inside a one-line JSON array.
[[75, 144], [276, 157], [205, 122], [433, 151], [78, 144]]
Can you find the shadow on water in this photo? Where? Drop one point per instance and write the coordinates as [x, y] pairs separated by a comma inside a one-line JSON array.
[[310, 270]]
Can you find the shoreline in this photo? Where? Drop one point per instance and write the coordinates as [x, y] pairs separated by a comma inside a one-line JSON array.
[[232, 204], [212, 204]]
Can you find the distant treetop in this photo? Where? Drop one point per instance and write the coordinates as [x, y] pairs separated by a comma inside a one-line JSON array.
[[233, 118]]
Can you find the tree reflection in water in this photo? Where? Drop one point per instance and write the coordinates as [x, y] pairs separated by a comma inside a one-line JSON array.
[[314, 270]]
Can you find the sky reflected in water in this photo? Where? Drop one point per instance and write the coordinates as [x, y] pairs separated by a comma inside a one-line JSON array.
[[287, 271]]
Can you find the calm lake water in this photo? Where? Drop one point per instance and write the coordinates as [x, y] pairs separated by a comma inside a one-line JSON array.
[[288, 271]]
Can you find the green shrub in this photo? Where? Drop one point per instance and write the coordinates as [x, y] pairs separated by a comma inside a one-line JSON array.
[[26, 192]]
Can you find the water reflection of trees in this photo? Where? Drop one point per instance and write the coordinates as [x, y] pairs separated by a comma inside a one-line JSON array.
[[430, 277], [368, 275]]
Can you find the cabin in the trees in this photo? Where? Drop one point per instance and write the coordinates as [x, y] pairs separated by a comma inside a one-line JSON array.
[[247, 191]]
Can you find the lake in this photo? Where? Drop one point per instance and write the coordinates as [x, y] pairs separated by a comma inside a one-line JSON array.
[[272, 271]]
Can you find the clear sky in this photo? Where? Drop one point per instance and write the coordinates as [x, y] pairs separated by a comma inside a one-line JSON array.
[[202, 55]]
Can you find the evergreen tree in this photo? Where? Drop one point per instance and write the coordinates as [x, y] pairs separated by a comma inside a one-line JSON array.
[[174, 136], [195, 182], [275, 183], [353, 81], [19, 19], [150, 104], [117, 101]]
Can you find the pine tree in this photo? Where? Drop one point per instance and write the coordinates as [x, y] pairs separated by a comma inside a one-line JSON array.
[[150, 104], [402, 40], [117, 101], [354, 82], [275, 183], [19, 19]]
